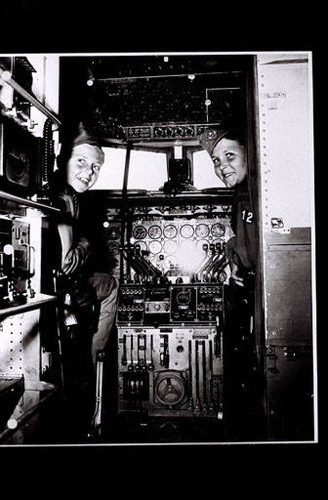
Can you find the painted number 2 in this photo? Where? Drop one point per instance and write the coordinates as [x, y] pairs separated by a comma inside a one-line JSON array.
[[247, 216]]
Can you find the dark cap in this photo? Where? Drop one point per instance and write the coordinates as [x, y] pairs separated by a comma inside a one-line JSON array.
[[69, 143], [85, 138], [210, 137]]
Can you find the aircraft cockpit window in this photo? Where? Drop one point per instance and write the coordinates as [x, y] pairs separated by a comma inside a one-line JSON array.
[[112, 172], [148, 170], [203, 172]]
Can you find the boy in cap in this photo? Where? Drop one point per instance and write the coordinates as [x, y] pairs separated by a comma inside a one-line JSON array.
[[227, 149], [79, 165]]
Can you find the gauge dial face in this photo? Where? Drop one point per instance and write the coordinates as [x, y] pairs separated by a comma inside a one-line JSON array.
[[154, 232], [218, 229], [170, 246], [170, 231], [183, 298], [202, 230], [155, 247], [186, 231], [139, 232]]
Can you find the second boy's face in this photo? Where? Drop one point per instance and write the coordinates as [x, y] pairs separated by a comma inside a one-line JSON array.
[[84, 166], [229, 158]]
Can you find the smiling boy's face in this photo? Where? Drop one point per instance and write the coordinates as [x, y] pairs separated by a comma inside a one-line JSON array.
[[229, 158], [84, 166]]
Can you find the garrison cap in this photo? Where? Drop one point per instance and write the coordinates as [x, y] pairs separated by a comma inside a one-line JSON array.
[[85, 138], [210, 137]]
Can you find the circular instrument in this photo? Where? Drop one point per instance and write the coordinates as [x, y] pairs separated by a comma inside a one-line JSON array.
[[186, 231], [139, 232], [170, 246], [218, 229], [170, 231], [155, 246], [154, 232], [202, 230], [183, 298]]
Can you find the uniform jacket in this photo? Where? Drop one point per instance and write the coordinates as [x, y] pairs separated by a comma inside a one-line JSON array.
[[242, 248]]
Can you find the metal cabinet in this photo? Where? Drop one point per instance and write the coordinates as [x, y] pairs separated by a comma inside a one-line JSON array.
[[289, 345]]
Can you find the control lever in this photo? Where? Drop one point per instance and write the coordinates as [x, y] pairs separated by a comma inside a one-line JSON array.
[[151, 364], [139, 263], [153, 270], [135, 264], [197, 406], [96, 422], [204, 374], [207, 268], [217, 339], [164, 351], [124, 357], [219, 264], [191, 404], [211, 373]]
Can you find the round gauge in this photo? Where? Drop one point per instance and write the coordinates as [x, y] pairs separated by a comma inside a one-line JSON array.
[[218, 229], [114, 233], [186, 231], [154, 232], [113, 247], [170, 246], [141, 244], [202, 230], [183, 298], [170, 231], [155, 247], [139, 232]]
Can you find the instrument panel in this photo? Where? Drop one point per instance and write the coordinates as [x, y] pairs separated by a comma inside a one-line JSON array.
[[170, 315], [181, 246], [171, 372], [170, 304], [183, 242]]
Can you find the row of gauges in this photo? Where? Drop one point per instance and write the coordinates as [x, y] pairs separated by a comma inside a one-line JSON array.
[[171, 246], [170, 231]]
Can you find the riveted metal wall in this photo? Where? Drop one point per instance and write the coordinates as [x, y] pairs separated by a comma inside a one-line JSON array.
[[287, 187]]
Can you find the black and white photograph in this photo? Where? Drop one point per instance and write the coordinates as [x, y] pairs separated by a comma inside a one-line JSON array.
[[157, 249]]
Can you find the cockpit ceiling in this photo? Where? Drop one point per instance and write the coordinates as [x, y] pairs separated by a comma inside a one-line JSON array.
[[157, 99]]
